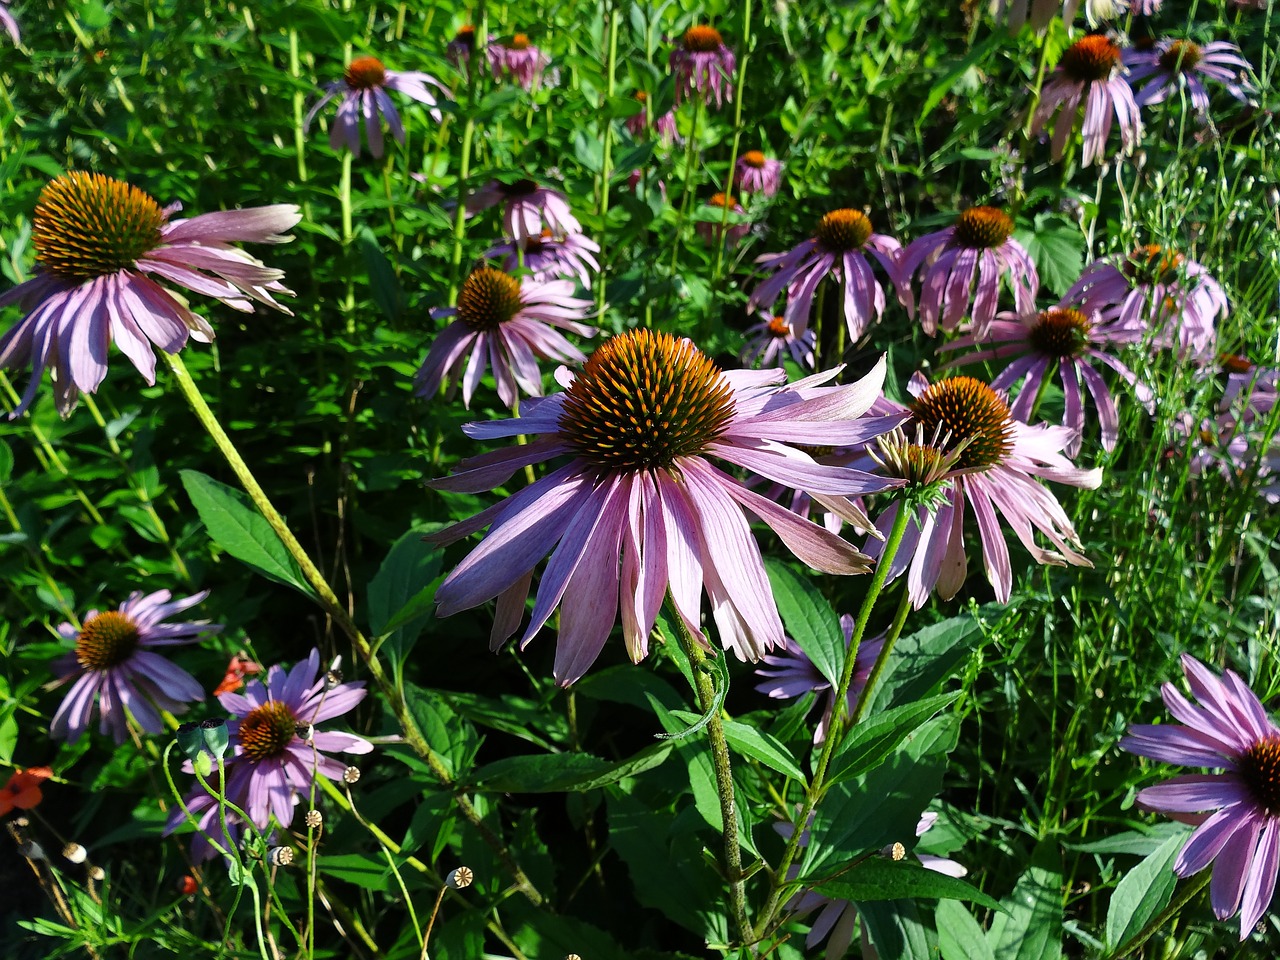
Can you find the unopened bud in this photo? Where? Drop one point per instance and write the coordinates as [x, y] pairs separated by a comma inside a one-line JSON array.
[[75, 853], [97, 873], [460, 878], [897, 851], [351, 775], [280, 856], [313, 819], [334, 675], [305, 732], [32, 850]]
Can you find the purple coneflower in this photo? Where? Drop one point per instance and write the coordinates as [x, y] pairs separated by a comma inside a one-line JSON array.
[[703, 64], [1171, 63], [756, 173], [1089, 74], [530, 208], [10, 24], [1251, 390], [967, 448], [793, 675], [364, 87], [506, 324], [963, 264], [638, 123], [1236, 812], [277, 751], [115, 668], [101, 244], [1063, 340], [712, 226], [639, 510], [839, 920], [458, 51], [837, 248], [551, 257], [1156, 289], [519, 59], [772, 339]]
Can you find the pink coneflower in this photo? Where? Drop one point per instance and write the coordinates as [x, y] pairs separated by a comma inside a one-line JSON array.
[[364, 87], [506, 324], [1155, 289], [703, 64], [529, 208], [837, 248], [1038, 12], [458, 51], [1236, 812], [962, 265], [551, 257], [116, 670], [839, 921], [1089, 73], [792, 674], [10, 24], [1171, 63], [712, 226], [772, 339], [277, 750], [963, 445], [638, 123], [639, 509], [756, 173], [1063, 340], [99, 244], [519, 59], [1250, 391]]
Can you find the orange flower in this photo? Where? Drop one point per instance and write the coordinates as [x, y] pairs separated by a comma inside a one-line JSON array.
[[237, 669], [23, 789]]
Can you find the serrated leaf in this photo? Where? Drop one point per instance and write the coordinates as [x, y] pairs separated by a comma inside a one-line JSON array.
[[1144, 891], [809, 620], [1058, 252], [874, 739], [925, 660], [879, 878], [234, 524]]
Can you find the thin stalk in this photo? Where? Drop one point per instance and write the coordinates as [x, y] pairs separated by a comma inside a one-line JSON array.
[[1189, 893], [724, 777], [606, 167], [686, 200], [737, 137], [337, 612], [460, 214], [815, 791], [890, 638]]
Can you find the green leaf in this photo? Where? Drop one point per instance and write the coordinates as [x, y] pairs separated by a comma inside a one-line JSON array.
[[809, 619], [896, 930], [6, 462], [872, 740], [364, 870], [382, 278], [401, 592], [960, 937], [1031, 929], [1058, 251], [234, 524], [957, 70], [879, 878], [753, 743], [561, 772], [925, 660], [1144, 892]]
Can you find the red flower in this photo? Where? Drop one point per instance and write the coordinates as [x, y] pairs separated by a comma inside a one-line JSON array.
[[22, 792]]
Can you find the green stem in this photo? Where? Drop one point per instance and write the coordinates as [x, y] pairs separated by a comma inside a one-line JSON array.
[[686, 199], [1188, 894], [890, 638], [460, 215], [724, 774], [834, 729], [606, 167], [737, 138], [333, 607]]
